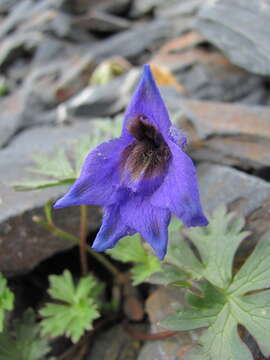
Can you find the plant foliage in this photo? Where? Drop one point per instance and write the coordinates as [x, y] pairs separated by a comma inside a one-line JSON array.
[[130, 249], [24, 342], [6, 300], [227, 300], [75, 307], [64, 166]]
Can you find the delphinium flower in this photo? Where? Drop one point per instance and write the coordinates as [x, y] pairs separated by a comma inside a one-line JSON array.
[[140, 178]]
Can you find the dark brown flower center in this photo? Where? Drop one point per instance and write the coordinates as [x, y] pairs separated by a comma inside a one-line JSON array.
[[148, 156]]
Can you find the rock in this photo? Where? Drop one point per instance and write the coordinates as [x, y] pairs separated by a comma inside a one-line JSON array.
[[98, 21], [116, 344], [51, 21], [176, 8], [10, 118], [55, 82], [159, 305], [132, 43], [225, 185], [24, 244], [116, 7], [24, 11], [6, 5], [227, 133], [207, 74], [17, 45], [102, 100], [239, 29], [143, 7]]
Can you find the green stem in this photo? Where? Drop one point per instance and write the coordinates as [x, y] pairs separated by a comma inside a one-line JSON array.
[[83, 236], [65, 235]]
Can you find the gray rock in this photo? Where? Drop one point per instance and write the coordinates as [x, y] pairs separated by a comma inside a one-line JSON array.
[[132, 43], [240, 29], [224, 185], [16, 45], [143, 7], [102, 100], [116, 344], [54, 82], [6, 5], [24, 11], [22, 243], [99, 21], [226, 132], [10, 117], [176, 8], [116, 7]]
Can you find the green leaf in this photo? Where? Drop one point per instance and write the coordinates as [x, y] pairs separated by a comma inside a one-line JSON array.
[[223, 307], [142, 271], [255, 273], [253, 312], [221, 340], [211, 297], [26, 344], [6, 300], [130, 249], [77, 310], [41, 184], [64, 165], [57, 166], [217, 244], [179, 252], [168, 275], [189, 319]]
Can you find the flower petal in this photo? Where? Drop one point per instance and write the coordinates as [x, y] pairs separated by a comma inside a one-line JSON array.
[[112, 230], [148, 101], [151, 222], [179, 192], [99, 177]]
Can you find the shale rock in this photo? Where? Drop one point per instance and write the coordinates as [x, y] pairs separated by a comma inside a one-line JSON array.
[[24, 244], [229, 133], [240, 29]]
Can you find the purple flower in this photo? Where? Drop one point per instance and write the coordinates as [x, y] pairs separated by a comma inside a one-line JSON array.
[[142, 177]]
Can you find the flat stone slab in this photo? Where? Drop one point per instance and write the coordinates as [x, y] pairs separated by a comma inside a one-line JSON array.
[[240, 28], [23, 244], [225, 185], [233, 134]]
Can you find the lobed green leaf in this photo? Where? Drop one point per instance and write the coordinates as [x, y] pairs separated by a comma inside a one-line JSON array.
[[77, 310], [26, 344], [6, 300], [217, 244]]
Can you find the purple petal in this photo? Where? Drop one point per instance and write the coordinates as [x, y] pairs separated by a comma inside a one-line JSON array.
[[147, 101], [151, 222], [112, 230], [179, 192], [99, 177]]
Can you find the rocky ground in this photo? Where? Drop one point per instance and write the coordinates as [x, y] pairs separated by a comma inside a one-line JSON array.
[[212, 58]]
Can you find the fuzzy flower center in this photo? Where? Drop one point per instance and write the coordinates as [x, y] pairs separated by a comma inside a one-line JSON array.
[[147, 157]]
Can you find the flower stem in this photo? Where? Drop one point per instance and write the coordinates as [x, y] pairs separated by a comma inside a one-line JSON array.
[[83, 236], [74, 239], [105, 262]]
